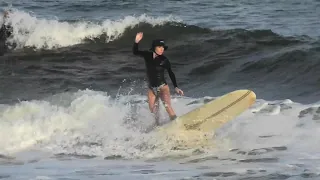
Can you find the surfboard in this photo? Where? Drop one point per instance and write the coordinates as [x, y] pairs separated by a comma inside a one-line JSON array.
[[210, 116]]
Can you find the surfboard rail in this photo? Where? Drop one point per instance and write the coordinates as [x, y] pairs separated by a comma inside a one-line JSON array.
[[215, 113]]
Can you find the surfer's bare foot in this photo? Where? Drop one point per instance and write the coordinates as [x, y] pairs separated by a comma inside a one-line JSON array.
[[173, 117]]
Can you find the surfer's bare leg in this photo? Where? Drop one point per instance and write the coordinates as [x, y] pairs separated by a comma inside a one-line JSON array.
[[166, 99], [153, 104]]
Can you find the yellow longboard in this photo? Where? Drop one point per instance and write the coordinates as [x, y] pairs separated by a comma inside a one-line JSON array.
[[210, 116]]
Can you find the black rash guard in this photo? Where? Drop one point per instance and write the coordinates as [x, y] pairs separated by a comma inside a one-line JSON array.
[[155, 67]]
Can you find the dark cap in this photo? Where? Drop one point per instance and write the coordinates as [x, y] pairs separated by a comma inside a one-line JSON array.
[[158, 42]]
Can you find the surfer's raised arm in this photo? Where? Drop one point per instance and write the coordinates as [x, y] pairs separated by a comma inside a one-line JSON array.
[[135, 48]]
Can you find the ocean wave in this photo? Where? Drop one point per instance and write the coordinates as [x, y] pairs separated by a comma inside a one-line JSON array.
[[40, 33]]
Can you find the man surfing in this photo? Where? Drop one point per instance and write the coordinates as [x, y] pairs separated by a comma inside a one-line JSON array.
[[156, 64]]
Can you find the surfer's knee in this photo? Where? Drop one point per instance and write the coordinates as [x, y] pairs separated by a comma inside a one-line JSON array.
[[153, 106], [153, 110], [151, 100], [165, 105], [165, 97]]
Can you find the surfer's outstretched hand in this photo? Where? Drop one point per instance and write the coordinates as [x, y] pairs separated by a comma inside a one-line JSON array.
[[139, 36], [179, 91]]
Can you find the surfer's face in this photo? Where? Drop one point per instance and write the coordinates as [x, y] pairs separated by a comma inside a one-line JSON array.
[[159, 50]]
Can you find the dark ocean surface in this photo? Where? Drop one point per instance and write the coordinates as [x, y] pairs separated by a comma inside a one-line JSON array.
[[69, 85]]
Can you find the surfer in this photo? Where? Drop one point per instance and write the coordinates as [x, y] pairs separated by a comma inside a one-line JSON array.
[[5, 33], [156, 63]]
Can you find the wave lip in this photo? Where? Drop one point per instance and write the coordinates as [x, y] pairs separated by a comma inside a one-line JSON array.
[[39, 33]]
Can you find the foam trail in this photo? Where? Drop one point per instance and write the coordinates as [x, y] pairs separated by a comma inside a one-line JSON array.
[[32, 31], [92, 123], [87, 122], [274, 124], [28, 123]]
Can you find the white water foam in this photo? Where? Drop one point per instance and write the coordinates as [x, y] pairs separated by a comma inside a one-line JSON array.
[[73, 127], [92, 123], [32, 31]]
